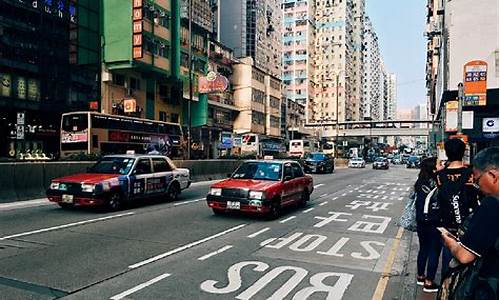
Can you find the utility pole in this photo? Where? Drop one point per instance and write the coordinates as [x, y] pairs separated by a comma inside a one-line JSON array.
[[190, 58], [337, 115], [460, 103]]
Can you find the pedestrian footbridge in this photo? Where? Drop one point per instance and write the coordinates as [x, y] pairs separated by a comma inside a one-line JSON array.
[[375, 128]]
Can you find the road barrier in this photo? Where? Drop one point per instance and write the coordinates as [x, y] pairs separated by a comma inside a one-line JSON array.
[[29, 180]]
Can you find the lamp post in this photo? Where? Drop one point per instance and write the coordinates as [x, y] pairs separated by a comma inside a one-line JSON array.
[[460, 103], [190, 58]]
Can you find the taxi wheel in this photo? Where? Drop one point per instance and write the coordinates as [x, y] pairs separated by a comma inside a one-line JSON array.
[[114, 202], [173, 192], [275, 211]]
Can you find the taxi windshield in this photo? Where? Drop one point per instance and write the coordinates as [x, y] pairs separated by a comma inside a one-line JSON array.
[[258, 171], [113, 165], [315, 156]]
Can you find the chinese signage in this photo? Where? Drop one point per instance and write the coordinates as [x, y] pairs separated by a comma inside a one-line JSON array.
[[129, 105], [6, 85], [137, 29], [19, 87], [212, 83], [475, 83], [226, 140], [451, 116]]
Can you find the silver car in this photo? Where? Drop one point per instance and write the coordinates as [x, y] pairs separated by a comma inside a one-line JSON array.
[[356, 162]]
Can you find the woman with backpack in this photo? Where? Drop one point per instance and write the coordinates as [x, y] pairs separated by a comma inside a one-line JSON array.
[[428, 236]]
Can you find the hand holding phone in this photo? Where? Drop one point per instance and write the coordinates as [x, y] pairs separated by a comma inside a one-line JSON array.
[[444, 231]]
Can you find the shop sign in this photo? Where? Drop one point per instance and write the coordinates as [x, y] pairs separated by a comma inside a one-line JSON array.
[[490, 124], [137, 29], [475, 83], [226, 141], [237, 142], [20, 132], [33, 90], [468, 119], [93, 105], [6, 85], [21, 88], [20, 118], [58, 8], [129, 105], [451, 116], [212, 83]]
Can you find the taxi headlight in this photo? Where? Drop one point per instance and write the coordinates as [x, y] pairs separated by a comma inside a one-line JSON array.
[[255, 195], [88, 188], [54, 185], [215, 191]]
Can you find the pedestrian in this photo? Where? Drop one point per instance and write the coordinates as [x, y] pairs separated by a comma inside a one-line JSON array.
[[428, 236], [456, 194], [479, 238]]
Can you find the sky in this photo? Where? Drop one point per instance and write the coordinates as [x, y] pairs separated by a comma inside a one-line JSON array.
[[400, 26]]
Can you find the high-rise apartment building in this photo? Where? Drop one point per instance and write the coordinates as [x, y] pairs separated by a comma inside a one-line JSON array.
[[358, 59], [390, 96], [373, 74], [298, 50], [334, 72], [252, 28]]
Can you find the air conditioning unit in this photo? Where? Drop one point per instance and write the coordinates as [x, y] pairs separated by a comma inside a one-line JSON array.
[[106, 76]]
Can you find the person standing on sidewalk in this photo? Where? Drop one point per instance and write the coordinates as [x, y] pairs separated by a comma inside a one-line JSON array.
[[480, 238], [456, 194], [428, 236]]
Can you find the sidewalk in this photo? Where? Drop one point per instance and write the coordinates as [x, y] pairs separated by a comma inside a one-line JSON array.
[[410, 289]]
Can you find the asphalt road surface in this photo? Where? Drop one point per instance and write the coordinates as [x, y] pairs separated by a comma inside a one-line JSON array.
[[344, 245]]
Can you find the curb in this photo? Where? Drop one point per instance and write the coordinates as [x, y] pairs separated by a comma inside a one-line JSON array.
[[409, 274]]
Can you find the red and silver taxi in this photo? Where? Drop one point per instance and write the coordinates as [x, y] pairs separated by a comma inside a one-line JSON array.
[[261, 186]]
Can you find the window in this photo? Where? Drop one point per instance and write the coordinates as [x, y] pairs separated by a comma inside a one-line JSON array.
[[288, 171], [118, 79], [174, 118], [161, 165], [143, 166], [163, 116], [135, 83], [297, 170]]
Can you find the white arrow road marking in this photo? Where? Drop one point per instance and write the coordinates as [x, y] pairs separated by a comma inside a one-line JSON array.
[[318, 185], [215, 252], [258, 232], [182, 248], [287, 219], [65, 226], [139, 287], [189, 201]]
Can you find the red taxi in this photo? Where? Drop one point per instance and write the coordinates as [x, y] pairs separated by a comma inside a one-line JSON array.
[[263, 187]]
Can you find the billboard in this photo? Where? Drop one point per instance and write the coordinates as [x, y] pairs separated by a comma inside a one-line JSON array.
[[451, 121], [212, 83], [137, 29], [475, 75]]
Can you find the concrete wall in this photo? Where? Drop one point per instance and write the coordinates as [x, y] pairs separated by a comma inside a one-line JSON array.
[[23, 181]]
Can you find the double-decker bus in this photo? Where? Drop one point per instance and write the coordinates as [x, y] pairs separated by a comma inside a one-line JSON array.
[[93, 132]]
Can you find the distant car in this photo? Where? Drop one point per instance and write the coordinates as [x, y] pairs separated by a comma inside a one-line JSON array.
[[261, 187], [396, 160], [381, 163], [116, 180], [413, 162], [356, 162], [317, 162]]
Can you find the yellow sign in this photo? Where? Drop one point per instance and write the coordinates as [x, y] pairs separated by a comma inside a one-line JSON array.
[[129, 105], [475, 83]]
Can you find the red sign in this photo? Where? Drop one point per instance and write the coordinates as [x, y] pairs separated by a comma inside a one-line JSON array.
[[212, 83], [137, 29], [475, 83], [93, 105], [129, 105]]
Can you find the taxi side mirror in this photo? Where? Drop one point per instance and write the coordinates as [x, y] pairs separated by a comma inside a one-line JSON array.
[[287, 178]]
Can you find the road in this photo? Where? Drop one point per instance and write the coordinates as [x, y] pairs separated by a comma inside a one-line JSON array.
[[344, 245]]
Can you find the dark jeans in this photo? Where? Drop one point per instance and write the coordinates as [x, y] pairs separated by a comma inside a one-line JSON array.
[[429, 251], [445, 261]]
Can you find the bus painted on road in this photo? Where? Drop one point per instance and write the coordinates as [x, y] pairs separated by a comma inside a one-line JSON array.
[[98, 133]]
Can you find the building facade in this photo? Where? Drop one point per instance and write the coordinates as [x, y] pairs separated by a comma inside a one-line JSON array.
[[252, 28], [390, 96], [358, 61], [334, 54], [373, 74], [49, 64], [257, 95], [298, 50], [454, 42]]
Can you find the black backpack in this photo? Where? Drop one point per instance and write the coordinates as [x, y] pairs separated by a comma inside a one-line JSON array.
[[452, 203]]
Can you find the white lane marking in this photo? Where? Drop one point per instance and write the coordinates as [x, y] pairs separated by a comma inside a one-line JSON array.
[[215, 252], [343, 194], [334, 198], [65, 226], [308, 210], [323, 203], [139, 287], [324, 195], [189, 201], [258, 232], [24, 204], [287, 219], [182, 248], [318, 185]]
